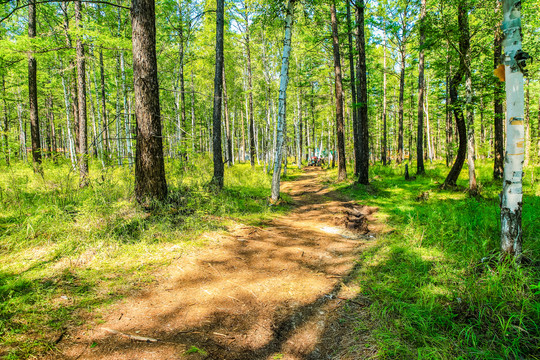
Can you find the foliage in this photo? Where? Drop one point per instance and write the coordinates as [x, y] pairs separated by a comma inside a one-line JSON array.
[[436, 283]]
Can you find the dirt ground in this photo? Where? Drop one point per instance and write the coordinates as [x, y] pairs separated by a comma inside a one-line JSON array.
[[279, 292]]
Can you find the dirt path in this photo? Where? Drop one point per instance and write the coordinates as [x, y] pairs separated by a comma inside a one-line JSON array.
[[263, 293]]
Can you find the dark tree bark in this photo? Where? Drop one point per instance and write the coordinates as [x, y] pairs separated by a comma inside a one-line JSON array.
[[250, 96], [81, 89], [150, 180], [421, 87], [218, 88], [464, 47], [32, 91], [363, 132], [356, 145], [498, 94], [342, 169]]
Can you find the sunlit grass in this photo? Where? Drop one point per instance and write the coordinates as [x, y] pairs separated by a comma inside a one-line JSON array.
[[437, 286], [65, 251]]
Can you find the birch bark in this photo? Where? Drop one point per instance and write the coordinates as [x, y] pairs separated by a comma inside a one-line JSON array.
[[284, 78]]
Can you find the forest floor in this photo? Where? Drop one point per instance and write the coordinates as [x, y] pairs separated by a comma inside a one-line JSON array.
[[283, 290]]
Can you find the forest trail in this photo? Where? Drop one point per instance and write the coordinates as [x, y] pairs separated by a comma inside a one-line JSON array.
[[276, 292]]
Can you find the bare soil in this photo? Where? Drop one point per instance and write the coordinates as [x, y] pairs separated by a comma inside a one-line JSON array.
[[282, 291]]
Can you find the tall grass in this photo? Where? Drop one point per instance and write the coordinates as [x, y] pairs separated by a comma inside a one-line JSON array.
[[65, 250], [438, 288]]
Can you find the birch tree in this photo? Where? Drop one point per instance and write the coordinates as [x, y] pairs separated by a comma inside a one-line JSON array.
[[512, 194], [283, 81]]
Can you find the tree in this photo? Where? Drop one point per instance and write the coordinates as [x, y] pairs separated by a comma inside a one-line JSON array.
[[464, 46], [512, 194], [498, 117], [32, 91], [283, 81], [356, 145], [218, 94], [342, 169], [363, 132], [81, 90], [421, 89], [150, 180]]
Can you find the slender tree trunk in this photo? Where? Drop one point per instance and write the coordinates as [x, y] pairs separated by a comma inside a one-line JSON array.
[[401, 100], [192, 114], [284, 79], [218, 89], [428, 129], [182, 86], [384, 144], [363, 131], [527, 124], [512, 194], [464, 47], [81, 90], [106, 139], [421, 89], [299, 131], [150, 180], [228, 139], [250, 95], [70, 143], [32, 91], [356, 144], [498, 150], [6, 122], [342, 169], [471, 154]]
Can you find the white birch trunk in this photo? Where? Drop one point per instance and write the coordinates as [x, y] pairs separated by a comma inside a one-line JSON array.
[[512, 194], [284, 78]]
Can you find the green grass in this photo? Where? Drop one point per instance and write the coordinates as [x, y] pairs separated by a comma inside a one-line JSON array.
[[437, 287], [66, 251]]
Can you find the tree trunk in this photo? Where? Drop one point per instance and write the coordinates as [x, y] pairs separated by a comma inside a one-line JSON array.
[[106, 139], [498, 150], [527, 125], [400, 114], [32, 91], [192, 114], [228, 140], [70, 143], [150, 180], [182, 86], [512, 194], [6, 122], [299, 131], [284, 79], [464, 46], [384, 144], [421, 89], [218, 88], [356, 145], [81, 91], [363, 132], [250, 95], [342, 170], [471, 154]]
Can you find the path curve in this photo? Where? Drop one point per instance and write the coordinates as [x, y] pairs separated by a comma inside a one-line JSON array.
[[260, 293]]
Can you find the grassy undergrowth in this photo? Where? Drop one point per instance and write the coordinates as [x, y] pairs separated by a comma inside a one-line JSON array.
[[66, 251], [437, 287]]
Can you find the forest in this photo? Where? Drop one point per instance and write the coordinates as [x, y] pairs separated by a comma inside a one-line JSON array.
[[269, 179]]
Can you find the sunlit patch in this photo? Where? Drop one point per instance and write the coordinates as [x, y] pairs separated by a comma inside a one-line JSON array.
[[331, 230]]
